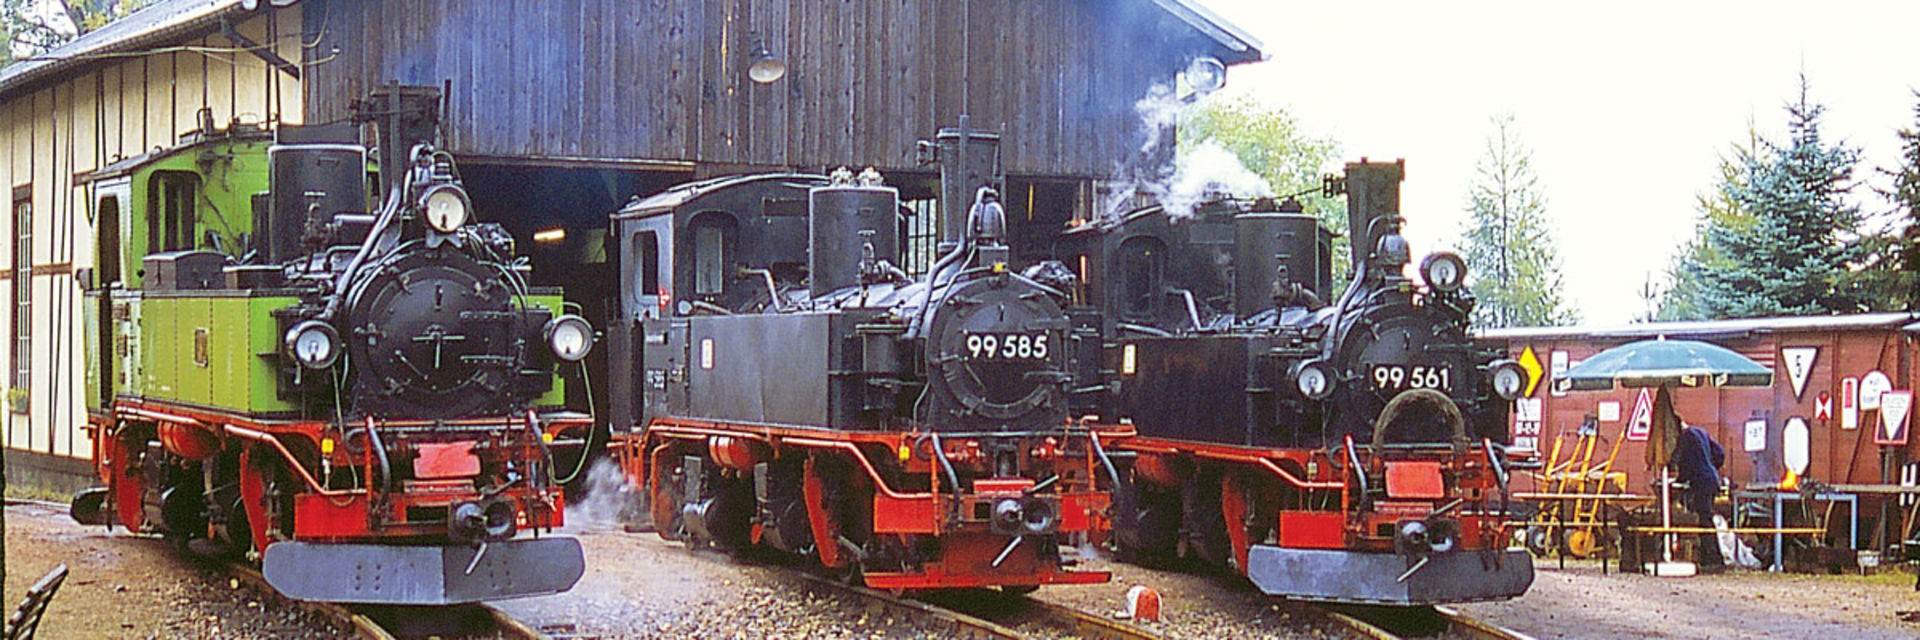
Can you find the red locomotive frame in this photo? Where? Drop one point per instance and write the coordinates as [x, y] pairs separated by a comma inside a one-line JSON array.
[[971, 554]]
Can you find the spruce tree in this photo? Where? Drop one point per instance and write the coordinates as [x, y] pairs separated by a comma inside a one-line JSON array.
[[1779, 237], [1900, 281]]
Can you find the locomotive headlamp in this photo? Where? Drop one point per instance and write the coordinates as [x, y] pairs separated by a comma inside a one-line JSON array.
[[1445, 271], [313, 343], [446, 208], [1508, 379], [1313, 379], [570, 337], [1038, 516]]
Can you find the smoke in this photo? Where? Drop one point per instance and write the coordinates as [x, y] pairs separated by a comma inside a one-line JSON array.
[[605, 501], [1179, 180]]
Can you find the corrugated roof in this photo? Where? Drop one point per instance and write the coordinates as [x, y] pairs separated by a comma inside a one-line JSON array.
[[156, 24], [1242, 46], [1902, 320]]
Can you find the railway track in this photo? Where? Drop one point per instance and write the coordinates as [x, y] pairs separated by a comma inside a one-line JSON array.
[[987, 615], [1393, 623]]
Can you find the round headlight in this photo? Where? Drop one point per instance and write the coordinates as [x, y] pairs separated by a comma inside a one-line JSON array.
[[1313, 379], [313, 344], [446, 208], [1445, 271], [570, 337], [1508, 379]]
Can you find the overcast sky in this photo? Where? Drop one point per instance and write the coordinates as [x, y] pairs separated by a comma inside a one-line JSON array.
[[1626, 106]]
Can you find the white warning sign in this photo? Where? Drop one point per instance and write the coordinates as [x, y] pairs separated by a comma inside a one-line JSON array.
[[1893, 417], [1640, 424], [1799, 364], [1871, 386]]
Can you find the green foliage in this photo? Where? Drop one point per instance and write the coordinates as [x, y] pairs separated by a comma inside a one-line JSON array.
[[1779, 236], [1270, 142], [1509, 247], [1899, 253], [30, 31], [1691, 271]]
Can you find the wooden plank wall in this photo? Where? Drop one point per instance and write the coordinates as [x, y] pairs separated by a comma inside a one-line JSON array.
[[87, 117], [666, 79]]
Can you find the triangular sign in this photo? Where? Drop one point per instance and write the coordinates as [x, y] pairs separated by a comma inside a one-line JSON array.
[[1893, 417], [1799, 363], [1640, 424]]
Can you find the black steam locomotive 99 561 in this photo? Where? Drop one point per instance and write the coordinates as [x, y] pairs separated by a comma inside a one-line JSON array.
[[785, 384], [1345, 449]]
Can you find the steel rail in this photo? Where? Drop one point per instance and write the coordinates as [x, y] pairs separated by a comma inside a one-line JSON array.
[[959, 625], [363, 627], [1455, 621]]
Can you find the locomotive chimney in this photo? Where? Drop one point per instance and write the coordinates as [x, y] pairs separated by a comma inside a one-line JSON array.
[[402, 116], [969, 159], [1373, 193]]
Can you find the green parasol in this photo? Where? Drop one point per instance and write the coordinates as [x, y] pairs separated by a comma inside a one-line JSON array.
[[1665, 364]]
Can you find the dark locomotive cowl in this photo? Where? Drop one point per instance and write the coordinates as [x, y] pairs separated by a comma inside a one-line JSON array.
[[1342, 448], [335, 382], [796, 389]]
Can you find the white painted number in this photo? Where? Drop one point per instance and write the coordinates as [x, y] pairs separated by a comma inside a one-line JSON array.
[[1006, 346], [1396, 377]]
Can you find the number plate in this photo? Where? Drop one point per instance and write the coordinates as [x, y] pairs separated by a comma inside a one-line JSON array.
[[1398, 377], [1007, 346]]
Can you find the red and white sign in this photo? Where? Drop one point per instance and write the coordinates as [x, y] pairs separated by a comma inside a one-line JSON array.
[[1850, 403], [1641, 424], [1893, 417], [1823, 407]]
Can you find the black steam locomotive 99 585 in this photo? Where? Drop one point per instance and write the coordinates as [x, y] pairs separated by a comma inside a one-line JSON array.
[[790, 386], [1345, 449]]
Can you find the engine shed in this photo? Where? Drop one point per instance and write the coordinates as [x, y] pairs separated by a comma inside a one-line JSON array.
[[560, 112]]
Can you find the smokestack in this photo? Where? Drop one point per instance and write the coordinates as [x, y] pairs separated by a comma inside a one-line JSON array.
[[969, 159], [402, 116], [1373, 193]]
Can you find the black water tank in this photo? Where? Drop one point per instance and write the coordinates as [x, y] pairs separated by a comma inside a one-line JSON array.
[[841, 219], [1264, 241], [327, 177]]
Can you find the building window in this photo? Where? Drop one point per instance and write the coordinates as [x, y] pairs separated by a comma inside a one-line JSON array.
[[20, 375]]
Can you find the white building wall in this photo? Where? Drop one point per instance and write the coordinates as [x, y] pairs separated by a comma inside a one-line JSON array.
[[91, 115]]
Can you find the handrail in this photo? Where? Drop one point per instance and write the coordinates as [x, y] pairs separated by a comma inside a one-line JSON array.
[[305, 475], [872, 472]]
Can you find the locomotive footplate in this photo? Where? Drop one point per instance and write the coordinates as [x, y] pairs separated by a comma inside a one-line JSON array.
[[1373, 578], [423, 574]]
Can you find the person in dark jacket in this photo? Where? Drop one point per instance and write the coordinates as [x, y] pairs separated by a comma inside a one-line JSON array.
[[1698, 460]]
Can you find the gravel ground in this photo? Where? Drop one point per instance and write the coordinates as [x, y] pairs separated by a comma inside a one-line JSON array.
[[126, 586], [1196, 606], [1579, 602]]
